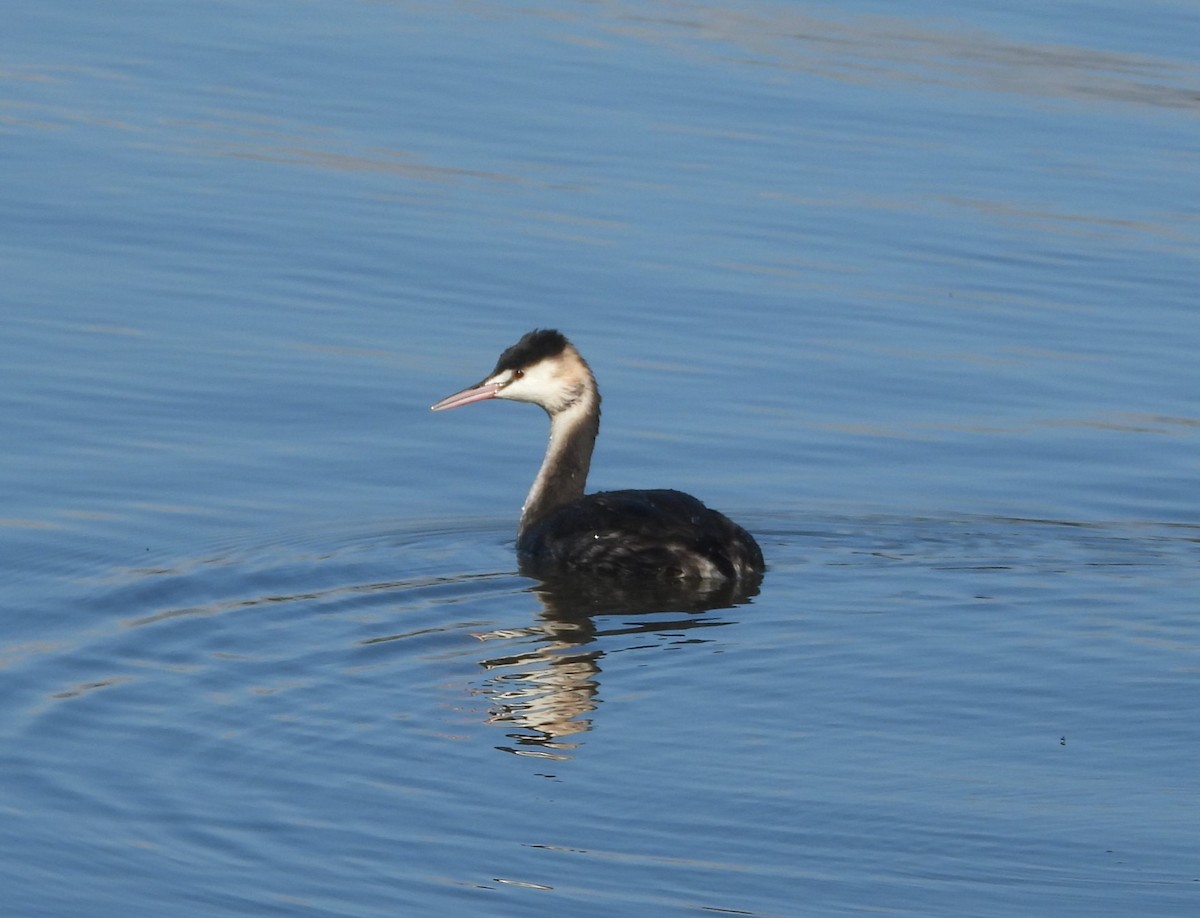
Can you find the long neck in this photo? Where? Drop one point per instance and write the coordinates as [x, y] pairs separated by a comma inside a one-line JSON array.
[[564, 471]]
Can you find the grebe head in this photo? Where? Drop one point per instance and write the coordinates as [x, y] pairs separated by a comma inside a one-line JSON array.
[[543, 368]]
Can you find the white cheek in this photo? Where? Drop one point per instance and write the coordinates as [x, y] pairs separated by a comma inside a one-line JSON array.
[[538, 384]]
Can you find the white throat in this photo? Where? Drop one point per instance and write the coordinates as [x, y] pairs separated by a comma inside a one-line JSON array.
[[563, 475]]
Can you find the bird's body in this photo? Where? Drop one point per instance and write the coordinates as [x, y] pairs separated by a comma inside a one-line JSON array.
[[638, 533], [659, 533]]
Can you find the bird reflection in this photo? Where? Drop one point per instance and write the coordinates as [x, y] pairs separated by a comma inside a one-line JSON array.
[[548, 691]]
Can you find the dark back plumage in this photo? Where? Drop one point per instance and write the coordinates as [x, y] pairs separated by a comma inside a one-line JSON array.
[[659, 533]]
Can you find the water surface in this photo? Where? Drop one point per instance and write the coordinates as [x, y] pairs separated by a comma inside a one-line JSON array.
[[911, 297]]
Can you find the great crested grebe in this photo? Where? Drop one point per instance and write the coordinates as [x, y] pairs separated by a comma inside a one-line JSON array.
[[659, 533]]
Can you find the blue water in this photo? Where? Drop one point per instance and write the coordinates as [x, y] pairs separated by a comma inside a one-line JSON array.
[[911, 296]]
